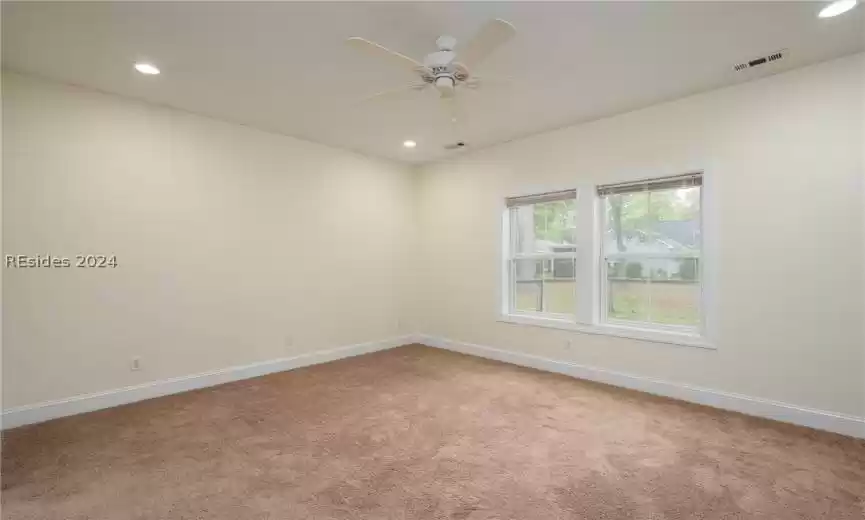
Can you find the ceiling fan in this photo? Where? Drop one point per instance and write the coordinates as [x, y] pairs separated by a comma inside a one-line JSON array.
[[441, 69]]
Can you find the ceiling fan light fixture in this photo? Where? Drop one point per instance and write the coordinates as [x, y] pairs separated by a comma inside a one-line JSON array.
[[146, 68], [409, 143], [837, 7]]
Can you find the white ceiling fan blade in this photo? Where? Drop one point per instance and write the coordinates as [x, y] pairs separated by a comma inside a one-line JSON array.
[[396, 93], [492, 35], [374, 49]]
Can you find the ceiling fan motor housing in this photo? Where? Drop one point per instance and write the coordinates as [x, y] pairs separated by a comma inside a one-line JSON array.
[[441, 65]]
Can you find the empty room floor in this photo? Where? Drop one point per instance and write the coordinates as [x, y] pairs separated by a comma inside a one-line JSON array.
[[421, 433]]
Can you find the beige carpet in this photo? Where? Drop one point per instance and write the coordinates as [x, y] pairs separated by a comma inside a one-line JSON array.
[[418, 433]]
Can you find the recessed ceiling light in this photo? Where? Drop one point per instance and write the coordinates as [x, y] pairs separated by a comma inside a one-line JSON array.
[[837, 7], [409, 144], [146, 68]]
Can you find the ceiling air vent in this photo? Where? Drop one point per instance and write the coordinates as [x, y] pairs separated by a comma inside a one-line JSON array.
[[762, 60]]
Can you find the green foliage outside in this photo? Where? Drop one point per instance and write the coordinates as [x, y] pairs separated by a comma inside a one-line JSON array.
[[640, 210], [554, 221], [672, 304], [627, 213], [643, 212]]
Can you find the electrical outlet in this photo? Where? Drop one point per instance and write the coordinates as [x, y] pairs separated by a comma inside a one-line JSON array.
[[135, 364], [569, 344], [289, 341]]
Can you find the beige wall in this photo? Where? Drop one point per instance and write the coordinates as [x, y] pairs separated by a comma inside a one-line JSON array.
[[229, 242], [787, 165]]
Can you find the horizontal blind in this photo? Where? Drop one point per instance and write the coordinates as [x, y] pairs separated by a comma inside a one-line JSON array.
[[663, 183], [552, 196]]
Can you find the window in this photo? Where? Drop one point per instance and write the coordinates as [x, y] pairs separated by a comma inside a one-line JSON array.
[[622, 259], [542, 249], [651, 244]]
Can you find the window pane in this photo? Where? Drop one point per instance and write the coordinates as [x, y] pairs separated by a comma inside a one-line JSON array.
[[653, 285], [548, 227], [674, 293], [528, 283], [627, 290], [559, 286], [687, 269], [675, 217], [544, 285], [627, 227], [652, 222]]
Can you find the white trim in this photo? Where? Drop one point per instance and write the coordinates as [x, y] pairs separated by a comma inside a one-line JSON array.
[[590, 272], [36, 413], [603, 303], [507, 256], [545, 256], [709, 254], [503, 287], [586, 264], [818, 419], [653, 334], [652, 256]]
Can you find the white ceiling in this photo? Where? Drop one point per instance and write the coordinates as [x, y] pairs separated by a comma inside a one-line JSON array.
[[284, 66]]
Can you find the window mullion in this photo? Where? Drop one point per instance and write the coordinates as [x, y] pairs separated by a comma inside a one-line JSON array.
[[543, 256], [587, 261], [657, 232], [628, 256], [512, 286]]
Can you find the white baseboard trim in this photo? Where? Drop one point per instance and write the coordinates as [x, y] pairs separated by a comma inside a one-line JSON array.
[[41, 412], [817, 419]]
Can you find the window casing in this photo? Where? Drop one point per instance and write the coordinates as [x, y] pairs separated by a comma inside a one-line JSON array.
[[621, 258], [651, 244]]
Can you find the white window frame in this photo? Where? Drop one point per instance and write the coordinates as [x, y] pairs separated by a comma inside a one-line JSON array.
[[590, 272], [604, 293], [510, 266]]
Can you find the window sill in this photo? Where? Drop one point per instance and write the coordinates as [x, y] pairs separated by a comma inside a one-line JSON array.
[[651, 335]]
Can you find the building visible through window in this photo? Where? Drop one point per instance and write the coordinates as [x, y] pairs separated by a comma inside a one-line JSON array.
[[628, 255], [651, 251], [541, 253]]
